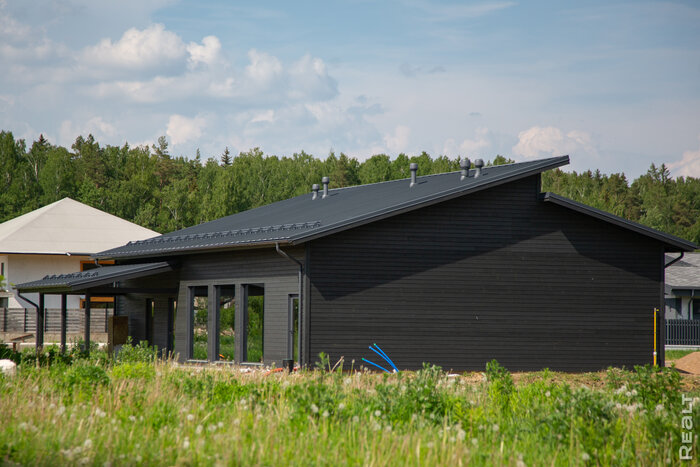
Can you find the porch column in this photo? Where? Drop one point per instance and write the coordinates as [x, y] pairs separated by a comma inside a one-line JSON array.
[[213, 323], [40, 323], [87, 323], [64, 320]]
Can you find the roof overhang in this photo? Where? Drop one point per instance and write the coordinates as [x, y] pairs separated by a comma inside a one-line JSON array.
[[683, 291], [671, 242], [82, 281]]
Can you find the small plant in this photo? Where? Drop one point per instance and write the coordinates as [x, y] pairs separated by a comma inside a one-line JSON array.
[[141, 352], [83, 379], [501, 386]]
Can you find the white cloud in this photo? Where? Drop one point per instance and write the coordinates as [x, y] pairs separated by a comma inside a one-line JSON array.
[[208, 53], [310, 80], [96, 126], [469, 147], [398, 141], [147, 48], [263, 68], [266, 116], [551, 141], [182, 129], [688, 166]]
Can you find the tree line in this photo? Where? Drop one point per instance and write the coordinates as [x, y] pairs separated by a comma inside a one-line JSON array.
[[149, 186]]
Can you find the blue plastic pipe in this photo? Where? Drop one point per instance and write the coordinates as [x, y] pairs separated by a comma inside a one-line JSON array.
[[372, 363], [386, 357]]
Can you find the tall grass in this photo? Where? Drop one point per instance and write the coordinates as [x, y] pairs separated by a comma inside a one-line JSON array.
[[142, 412]]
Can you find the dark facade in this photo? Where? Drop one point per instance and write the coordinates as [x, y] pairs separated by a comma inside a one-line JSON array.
[[454, 270], [494, 275]]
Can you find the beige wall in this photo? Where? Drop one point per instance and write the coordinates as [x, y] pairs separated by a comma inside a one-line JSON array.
[[26, 268]]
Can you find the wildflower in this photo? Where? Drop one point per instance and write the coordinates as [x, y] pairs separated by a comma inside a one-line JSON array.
[[430, 445], [376, 426], [52, 406], [520, 463], [387, 428], [314, 408], [23, 426], [211, 427], [475, 441], [547, 394], [107, 464], [585, 457], [190, 417], [138, 458], [495, 427], [341, 406], [87, 444], [628, 394], [461, 434], [61, 410], [186, 443], [100, 413], [377, 413], [133, 419], [325, 414], [659, 408], [355, 419], [199, 429], [236, 421], [347, 381], [220, 424], [621, 389], [634, 392]]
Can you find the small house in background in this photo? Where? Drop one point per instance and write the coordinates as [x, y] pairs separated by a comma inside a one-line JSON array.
[[454, 269], [58, 238], [682, 292]]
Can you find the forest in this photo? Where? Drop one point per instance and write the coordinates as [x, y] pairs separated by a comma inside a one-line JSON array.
[[149, 186]]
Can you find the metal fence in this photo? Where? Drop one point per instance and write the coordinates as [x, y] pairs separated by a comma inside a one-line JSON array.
[[682, 332], [24, 320]]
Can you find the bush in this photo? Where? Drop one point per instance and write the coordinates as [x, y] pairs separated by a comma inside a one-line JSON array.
[[134, 370], [141, 352], [83, 379], [501, 386]]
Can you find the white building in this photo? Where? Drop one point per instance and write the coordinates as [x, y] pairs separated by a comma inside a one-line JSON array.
[[58, 239]]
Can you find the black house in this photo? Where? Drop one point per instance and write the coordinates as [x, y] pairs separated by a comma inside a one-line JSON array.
[[454, 269]]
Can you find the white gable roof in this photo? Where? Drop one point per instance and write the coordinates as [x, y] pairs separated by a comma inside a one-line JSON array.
[[68, 226]]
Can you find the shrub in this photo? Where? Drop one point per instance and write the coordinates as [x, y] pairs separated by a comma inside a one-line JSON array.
[[134, 370], [83, 379], [501, 386], [141, 352]]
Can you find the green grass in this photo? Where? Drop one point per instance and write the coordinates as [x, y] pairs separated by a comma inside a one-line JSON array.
[[676, 354], [143, 413]]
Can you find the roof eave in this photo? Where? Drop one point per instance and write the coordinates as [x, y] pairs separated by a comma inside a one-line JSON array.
[[676, 243], [205, 249]]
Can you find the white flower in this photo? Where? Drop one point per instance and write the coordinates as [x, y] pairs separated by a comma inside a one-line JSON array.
[[211, 427], [236, 421], [87, 444], [100, 413], [314, 408], [341, 406], [220, 424], [628, 393], [461, 434], [199, 429], [61, 410], [387, 428], [355, 419], [138, 458], [659, 408], [430, 445], [475, 441], [133, 419], [634, 392], [585, 457], [190, 417], [547, 394], [377, 413], [186, 443], [495, 427], [347, 381], [376, 426], [23, 426], [325, 414]]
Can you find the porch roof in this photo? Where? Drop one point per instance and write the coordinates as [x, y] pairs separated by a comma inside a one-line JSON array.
[[78, 281]]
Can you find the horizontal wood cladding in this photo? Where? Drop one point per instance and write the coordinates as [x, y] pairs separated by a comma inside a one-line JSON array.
[[278, 275], [496, 274]]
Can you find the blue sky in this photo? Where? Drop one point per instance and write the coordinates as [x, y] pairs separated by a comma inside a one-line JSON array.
[[614, 84]]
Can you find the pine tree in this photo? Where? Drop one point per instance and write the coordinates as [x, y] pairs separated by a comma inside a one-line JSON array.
[[226, 158]]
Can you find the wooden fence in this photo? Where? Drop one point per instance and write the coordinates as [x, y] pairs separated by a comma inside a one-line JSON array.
[[24, 320]]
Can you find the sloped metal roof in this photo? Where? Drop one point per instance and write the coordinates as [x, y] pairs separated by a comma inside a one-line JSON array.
[[672, 242], [301, 218], [93, 277]]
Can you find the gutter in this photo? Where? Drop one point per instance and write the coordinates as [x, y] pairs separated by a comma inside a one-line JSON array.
[[675, 260], [301, 273]]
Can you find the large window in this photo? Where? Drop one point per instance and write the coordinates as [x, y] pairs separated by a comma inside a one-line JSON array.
[[227, 322], [200, 320], [254, 319]]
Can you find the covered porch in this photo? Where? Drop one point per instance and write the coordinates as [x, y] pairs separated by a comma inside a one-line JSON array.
[[114, 282]]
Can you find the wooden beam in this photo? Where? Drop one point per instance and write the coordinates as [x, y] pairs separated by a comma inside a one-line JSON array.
[[40, 325], [64, 320], [87, 323]]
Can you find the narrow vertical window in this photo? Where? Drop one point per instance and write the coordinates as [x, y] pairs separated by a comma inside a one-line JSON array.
[[227, 313], [200, 318]]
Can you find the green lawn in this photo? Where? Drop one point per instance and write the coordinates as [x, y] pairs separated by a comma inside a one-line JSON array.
[[676, 354], [136, 412]]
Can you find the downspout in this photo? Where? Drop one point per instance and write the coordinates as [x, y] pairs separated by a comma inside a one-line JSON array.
[[301, 273], [675, 260], [19, 294]]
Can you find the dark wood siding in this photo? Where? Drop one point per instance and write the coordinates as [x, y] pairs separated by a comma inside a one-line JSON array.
[[498, 274], [261, 266]]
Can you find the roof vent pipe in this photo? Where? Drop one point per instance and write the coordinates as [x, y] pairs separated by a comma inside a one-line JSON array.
[[414, 169], [464, 165], [478, 164], [314, 188], [325, 181]]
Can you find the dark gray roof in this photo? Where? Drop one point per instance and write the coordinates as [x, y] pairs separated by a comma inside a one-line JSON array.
[[683, 275], [300, 219], [672, 242], [93, 277]]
